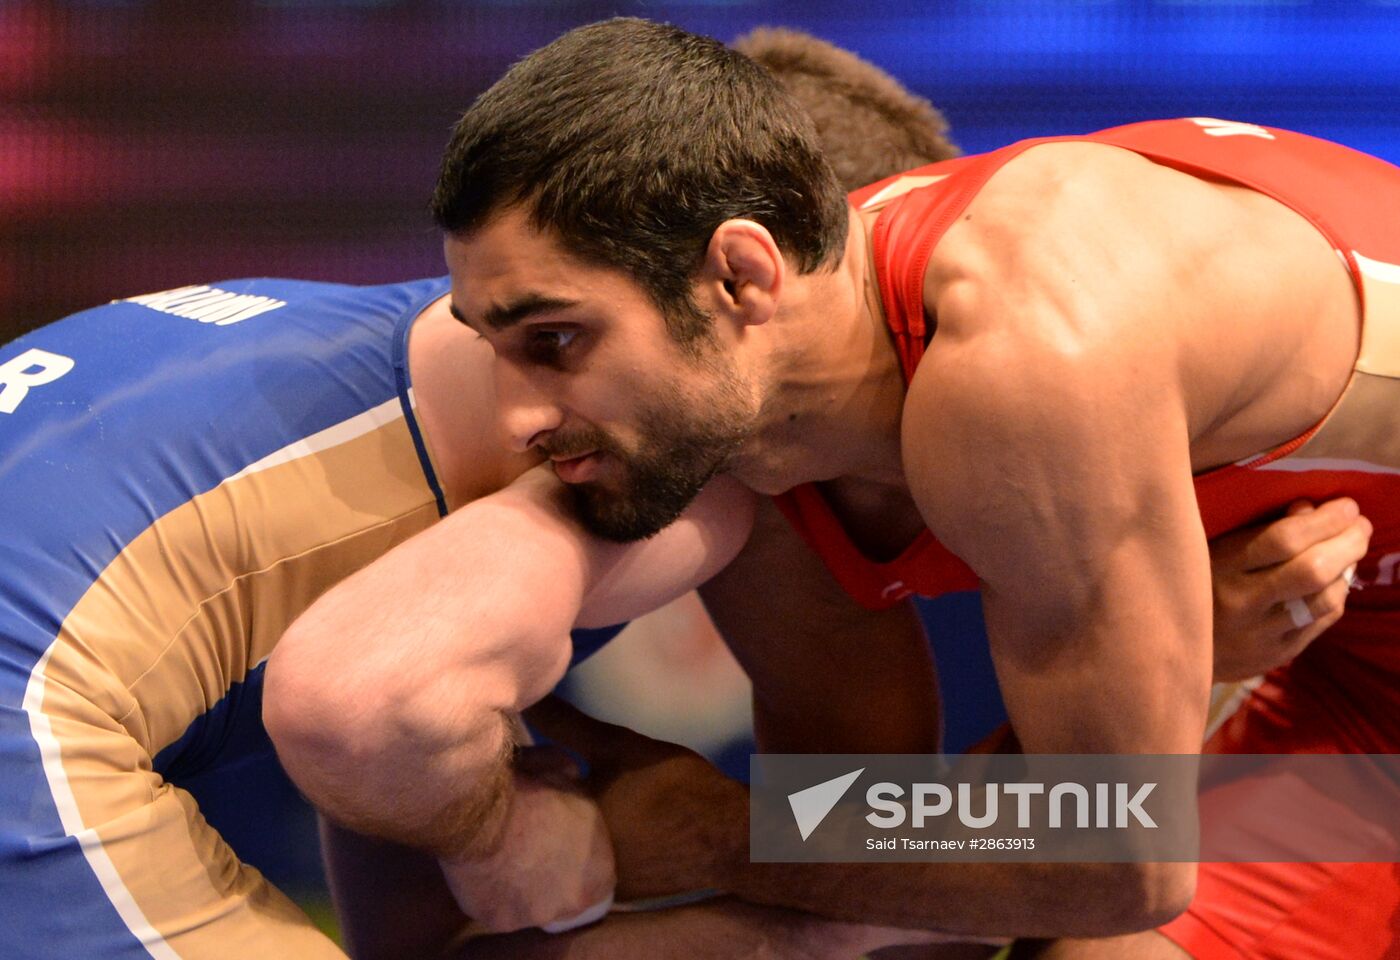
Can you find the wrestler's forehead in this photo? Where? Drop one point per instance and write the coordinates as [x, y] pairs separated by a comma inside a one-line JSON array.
[[509, 249], [508, 261]]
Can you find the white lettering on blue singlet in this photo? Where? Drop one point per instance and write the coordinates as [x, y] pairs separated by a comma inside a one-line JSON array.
[[1231, 128], [207, 304], [32, 368]]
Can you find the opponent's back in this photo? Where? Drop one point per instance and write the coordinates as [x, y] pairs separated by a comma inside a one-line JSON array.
[[166, 461], [182, 473]]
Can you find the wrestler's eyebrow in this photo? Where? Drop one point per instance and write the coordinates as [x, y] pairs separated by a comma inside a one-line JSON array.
[[503, 316]]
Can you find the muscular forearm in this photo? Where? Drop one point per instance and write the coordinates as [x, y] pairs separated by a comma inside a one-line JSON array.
[[679, 825], [975, 899], [447, 801], [388, 698]]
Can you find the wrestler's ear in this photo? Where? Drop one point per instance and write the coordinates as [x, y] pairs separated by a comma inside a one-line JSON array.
[[742, 277]]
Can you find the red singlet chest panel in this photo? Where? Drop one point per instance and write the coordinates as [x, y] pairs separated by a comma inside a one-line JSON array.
[[1351, 198]]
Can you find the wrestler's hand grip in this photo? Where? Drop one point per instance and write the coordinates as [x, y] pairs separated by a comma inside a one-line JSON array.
[[553, 868]]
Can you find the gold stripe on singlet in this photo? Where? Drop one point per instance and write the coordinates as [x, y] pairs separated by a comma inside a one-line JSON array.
[[184, 611]]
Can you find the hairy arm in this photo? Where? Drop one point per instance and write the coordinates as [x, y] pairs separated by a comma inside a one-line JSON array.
[[828, 675], [390, 699]]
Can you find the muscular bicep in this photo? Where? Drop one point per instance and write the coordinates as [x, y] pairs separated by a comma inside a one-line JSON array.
[[828, 675], [1067, 487]]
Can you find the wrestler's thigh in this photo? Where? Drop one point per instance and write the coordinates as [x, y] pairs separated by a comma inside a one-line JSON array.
[[1285, 911], [1339, 696], [101, 858]]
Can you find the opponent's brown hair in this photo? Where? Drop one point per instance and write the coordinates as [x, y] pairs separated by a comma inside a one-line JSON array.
[[868, 124], [633, 141]]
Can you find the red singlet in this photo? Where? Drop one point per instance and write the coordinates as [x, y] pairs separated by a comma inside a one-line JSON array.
[[1342, 694]]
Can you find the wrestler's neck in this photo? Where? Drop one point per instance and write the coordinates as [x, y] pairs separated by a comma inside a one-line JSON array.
[[833, 389]]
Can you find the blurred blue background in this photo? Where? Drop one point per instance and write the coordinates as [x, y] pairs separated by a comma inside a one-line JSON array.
[[146, 144]]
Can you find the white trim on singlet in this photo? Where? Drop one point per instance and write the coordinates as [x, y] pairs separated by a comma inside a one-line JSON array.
[[1304, 464], [89, 842], [901, 186], [50, 751], [333, 436], [1377, 269], [1226, 699]]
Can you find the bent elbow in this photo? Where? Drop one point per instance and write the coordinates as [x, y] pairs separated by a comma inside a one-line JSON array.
[[1150, 895], [379, 753], [315, 720]]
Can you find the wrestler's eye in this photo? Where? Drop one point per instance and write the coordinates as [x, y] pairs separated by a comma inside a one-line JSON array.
[[547, 345]]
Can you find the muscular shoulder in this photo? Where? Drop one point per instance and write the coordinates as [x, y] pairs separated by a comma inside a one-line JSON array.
[[1048, 289], [1055, 186], [1054, 362], [1093, 252], [1072, 230], [1059, 291]]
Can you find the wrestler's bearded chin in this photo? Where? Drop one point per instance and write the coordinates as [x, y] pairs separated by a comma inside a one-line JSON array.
[[684, 442]]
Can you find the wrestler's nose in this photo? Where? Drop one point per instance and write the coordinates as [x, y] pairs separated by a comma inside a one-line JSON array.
[[527, 414]]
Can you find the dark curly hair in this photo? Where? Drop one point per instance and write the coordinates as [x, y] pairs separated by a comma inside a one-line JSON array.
[[868, 124], [633, 141]]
